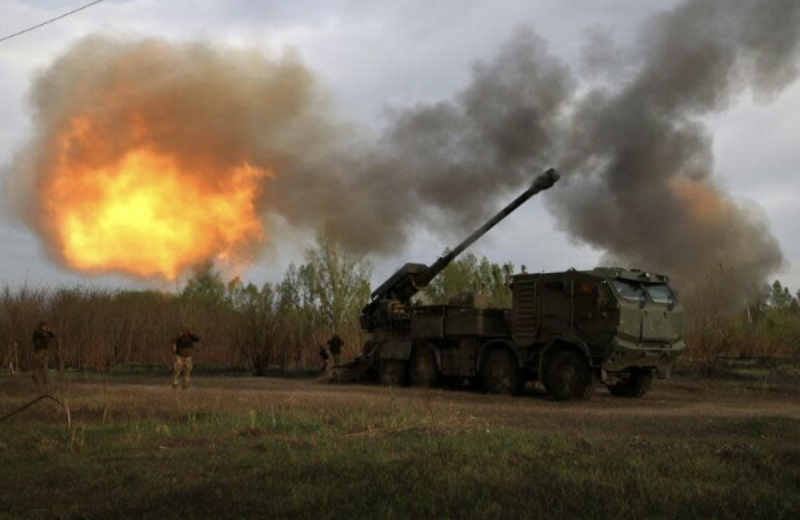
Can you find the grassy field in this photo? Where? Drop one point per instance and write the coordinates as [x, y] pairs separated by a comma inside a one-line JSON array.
[[276, 448]]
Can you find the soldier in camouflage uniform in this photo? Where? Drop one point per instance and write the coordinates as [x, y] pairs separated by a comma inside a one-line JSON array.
[[183, 346], [42, 337], [330, 353]]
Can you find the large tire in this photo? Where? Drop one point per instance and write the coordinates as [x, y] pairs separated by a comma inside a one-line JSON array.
[[568, 376], [393, 372], [637, 384], [423, 369], [501, 374]]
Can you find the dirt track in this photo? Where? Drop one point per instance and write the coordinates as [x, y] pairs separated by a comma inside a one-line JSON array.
[[680, 408]]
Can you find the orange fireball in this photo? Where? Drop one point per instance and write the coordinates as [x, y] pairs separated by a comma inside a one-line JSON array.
[[143, 213], [704, 202]]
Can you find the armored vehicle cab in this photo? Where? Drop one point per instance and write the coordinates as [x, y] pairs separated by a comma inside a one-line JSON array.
[[614, 325]]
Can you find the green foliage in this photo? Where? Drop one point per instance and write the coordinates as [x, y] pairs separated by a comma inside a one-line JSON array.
[[283, 324], [778, 320], [205, 287], [471, 274], [323, 291], [323, 295], [779, 298], [769, 328], [335, 282]]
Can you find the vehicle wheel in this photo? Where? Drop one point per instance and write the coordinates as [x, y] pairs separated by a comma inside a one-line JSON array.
[[423, 368], [501, 375], [393, 372], [637, 384], [568, 376]]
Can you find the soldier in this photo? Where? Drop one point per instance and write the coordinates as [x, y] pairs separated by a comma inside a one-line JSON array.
[[183, 347], [42, 336], [330, 353], [324, 354]]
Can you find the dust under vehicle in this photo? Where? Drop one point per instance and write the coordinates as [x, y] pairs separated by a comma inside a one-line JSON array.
[[567, 330]]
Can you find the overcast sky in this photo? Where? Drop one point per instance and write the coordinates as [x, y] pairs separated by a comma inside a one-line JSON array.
[[371, 56]]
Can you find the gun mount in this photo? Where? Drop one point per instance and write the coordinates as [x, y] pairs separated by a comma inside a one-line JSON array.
[[411, 278]]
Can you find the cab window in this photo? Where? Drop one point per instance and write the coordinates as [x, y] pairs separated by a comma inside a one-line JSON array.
[[660, 293], [629, 290]]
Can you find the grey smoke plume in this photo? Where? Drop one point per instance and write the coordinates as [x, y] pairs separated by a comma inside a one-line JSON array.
[[637, 156], [636, 153], [646, 193], [442, 163]]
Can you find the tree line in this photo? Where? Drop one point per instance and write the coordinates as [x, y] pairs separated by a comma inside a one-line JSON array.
[[272, 326], [282, 325], [767, 328]]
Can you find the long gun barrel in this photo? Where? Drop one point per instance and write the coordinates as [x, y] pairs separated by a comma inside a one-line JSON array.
[[409, 279], [542, 182]]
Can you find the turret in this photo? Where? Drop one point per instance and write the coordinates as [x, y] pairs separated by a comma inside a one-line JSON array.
[[411, 278]]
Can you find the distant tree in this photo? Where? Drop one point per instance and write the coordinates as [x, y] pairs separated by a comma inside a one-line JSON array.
[[470, 274], [322, 295], [713, 330], [335, 281], [206, 286], [495, 280], [779, 297], [254, 327]]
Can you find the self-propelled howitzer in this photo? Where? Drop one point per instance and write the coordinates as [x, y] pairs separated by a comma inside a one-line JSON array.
[[411, 278], [564, 330]]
